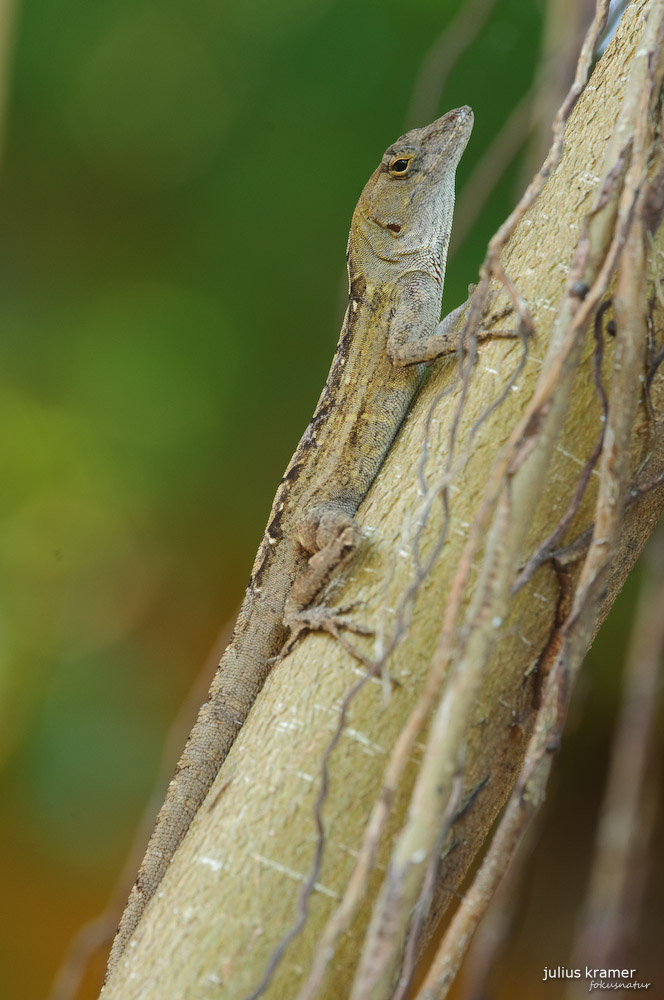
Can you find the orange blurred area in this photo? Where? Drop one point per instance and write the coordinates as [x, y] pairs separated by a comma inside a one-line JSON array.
[[48, 906], [177, 184]]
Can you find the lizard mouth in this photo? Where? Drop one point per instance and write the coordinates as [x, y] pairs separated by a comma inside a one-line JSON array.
[[458, 116], [453, 129]]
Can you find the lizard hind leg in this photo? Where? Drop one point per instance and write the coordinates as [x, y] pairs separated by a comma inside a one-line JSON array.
[[331, 535]]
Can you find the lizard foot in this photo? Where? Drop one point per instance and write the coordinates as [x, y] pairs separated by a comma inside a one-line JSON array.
[[321, 618]]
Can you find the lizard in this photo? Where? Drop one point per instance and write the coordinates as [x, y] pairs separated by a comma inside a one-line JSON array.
[[396, 259]]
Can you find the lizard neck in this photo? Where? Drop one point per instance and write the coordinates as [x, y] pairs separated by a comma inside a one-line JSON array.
[[374, 262]]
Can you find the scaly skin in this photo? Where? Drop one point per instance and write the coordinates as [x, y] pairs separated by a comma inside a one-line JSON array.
[[397, 251]]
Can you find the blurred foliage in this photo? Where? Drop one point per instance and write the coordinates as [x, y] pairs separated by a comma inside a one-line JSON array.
[[177, 186]]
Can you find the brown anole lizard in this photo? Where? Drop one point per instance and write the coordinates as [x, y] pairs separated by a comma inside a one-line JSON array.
[[397, 251]]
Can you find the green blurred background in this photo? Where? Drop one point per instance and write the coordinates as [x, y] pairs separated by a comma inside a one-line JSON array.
[[177, 184]]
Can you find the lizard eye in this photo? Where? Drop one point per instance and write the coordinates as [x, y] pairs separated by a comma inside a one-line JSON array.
[[399, 167]]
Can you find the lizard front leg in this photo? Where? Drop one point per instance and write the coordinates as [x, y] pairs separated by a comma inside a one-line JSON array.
[[415, 336]]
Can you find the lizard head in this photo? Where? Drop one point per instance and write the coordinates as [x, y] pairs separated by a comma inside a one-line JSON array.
[[408, 202]]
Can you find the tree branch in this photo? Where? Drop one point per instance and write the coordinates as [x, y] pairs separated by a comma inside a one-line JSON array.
[[483, 470]]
